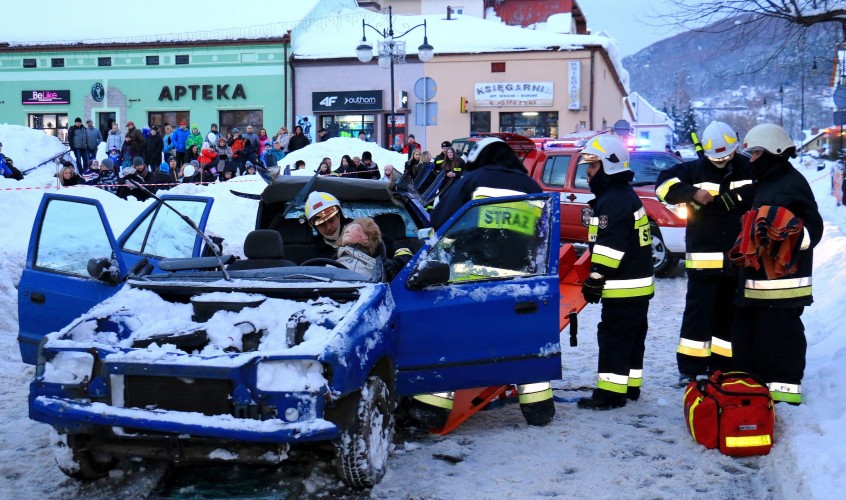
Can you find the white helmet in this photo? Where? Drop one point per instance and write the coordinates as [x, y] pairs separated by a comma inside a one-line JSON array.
[[719, 140], [320, 207], [768, 137], [610, 150], [477, 149]]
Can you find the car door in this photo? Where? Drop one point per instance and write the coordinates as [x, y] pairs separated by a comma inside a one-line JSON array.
[[494, 320], [55, 285]]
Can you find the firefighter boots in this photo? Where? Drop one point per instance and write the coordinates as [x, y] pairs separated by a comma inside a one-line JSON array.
[[539, 413], [602, 400]]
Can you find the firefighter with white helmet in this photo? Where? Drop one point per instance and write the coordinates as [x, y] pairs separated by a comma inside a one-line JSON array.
[[767, 334], [620, 274], [492, 171], [717, 189], [323, 212]]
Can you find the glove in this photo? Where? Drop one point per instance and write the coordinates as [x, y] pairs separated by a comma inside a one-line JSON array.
[[592, 287], [728, 200]]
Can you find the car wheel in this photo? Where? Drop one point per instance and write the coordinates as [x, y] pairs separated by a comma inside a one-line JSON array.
[[76, 461], [662, 261], [362, 452]]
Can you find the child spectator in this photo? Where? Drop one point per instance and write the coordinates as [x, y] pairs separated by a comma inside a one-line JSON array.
[[107, 179]]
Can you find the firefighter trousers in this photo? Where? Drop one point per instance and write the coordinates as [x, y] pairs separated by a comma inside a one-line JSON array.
[[621, 334], [770, 342], [705, 338]]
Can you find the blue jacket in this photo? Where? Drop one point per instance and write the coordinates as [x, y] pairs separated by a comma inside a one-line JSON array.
[[180, 138], [4, 169]]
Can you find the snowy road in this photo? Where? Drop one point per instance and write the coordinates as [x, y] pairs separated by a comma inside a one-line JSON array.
[[640, 451]]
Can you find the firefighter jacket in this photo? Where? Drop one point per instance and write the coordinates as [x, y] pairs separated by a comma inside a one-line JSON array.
[[620, 243], [711, 229], [781, 185]]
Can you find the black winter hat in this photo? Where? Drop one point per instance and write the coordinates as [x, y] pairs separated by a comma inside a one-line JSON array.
[[137, 161], [107, 163], [366, 156], [446, 144]]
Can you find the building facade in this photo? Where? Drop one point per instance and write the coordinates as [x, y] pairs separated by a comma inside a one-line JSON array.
[[227, 82]]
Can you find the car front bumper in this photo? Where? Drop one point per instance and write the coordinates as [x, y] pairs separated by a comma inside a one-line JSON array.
[[674, 239]]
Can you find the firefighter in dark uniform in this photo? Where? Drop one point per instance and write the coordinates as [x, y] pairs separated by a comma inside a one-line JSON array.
[[767, 333], [620, 274], [492, 170], [717, 189]]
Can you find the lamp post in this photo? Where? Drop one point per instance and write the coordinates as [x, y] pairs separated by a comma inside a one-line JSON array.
[[392, 51], [781, 106]]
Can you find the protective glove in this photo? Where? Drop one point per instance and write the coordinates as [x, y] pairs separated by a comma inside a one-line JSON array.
[[592, 287]]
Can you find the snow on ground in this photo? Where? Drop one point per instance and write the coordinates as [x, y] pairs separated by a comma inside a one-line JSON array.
[[640, 451]]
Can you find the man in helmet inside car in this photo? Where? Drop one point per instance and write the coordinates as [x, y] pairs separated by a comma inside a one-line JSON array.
[[767, 334], [620, 273], [717, 190]]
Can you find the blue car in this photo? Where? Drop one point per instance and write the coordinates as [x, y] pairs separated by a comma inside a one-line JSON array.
[[153, 345]]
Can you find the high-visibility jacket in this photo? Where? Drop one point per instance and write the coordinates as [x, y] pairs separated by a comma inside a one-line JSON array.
[[620, 244], [711, 229], [784, 186]]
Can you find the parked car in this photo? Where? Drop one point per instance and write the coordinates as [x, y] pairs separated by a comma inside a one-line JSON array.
[[556, 168], [194, 360]]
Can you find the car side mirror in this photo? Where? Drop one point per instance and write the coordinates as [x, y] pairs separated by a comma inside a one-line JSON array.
[[429, 274], [104, 269]]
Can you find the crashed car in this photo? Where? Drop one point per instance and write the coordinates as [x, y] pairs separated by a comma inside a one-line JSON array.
[[174, 354]]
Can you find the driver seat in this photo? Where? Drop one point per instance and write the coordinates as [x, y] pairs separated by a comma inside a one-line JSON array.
[[263, 248]]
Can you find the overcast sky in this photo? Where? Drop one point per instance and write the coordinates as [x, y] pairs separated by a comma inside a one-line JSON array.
[[626, 20], [631, 22]]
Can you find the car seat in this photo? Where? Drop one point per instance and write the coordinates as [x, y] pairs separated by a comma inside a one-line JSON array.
[[263, 248]]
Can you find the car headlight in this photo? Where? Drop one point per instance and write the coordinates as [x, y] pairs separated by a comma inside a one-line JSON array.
[[290, 375], [69, 367], [680, 210]]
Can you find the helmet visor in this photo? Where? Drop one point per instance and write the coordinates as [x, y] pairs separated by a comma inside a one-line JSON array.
[[721, 159], [589, 158], [323, 216], [748, 152]]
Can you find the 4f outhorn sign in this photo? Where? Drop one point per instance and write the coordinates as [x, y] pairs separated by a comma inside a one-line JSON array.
[[204, 92], [360, 100]]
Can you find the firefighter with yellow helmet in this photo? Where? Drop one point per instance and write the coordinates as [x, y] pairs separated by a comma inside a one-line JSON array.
[[716, 189], [620, 274], [767, 333], [492, 170]]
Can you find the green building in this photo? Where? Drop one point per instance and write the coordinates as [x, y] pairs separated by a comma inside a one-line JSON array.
[[232, 83]]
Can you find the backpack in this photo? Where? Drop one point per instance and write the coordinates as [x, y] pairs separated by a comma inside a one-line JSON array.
[[732, 411]]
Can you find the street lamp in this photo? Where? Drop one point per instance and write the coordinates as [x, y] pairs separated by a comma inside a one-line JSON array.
[[392, 51]]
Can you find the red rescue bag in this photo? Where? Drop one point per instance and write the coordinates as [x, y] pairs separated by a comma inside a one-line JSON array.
[[732, 411]]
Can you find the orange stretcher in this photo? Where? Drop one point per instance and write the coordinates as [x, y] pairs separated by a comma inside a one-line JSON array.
[[572, 271]]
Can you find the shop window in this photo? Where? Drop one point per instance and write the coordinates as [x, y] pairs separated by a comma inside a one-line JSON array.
[[349, 125], [152, 60], [182, 59], [52, 124], [497, 67], [240, 118], [172, 118], [104, 61], [29, 63], [57, 62], [480, 122], [530, 123]]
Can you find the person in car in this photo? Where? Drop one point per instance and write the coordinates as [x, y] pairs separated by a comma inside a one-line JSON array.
[[324, 213]]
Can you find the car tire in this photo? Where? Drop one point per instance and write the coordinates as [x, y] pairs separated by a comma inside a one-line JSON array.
[[362, 451], [663, 261], [76, 461]]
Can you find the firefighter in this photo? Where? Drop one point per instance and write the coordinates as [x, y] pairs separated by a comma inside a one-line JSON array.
[[492, 170], [717, 190], [767, 333], [620, 274]]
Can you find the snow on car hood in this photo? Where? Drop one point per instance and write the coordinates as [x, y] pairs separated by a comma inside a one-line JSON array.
[[135, 317]]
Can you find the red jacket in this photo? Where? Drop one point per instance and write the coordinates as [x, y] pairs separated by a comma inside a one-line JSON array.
[[206, 156]]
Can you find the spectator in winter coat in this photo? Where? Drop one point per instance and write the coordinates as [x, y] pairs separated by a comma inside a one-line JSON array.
[[162, 178], [138, 173], [173, 169], [283, 138], [251, 136], [137, 138], [324, 169], [368, 169], [128, 152], [322, 135], [207, 155], [115, 138], [107, 180], [391, 175], [346, 166], [180, 142], [411, 146], [167, 142], [78, 140], [213, 135], [263, 139], [194, 139], [10, 166], [93, 138], [237, 143], [224, 155], [91, 173], [298, 141], [4, 166], [114, 155], [68, 177], [154, 147]]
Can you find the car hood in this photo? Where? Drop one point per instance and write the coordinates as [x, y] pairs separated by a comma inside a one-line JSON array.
[[137, 324]]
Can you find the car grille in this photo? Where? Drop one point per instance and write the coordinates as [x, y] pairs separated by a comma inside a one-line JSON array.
[[206, 396]]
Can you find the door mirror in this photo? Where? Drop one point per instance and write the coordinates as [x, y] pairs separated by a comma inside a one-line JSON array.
[[104, 269], [429, 274]]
